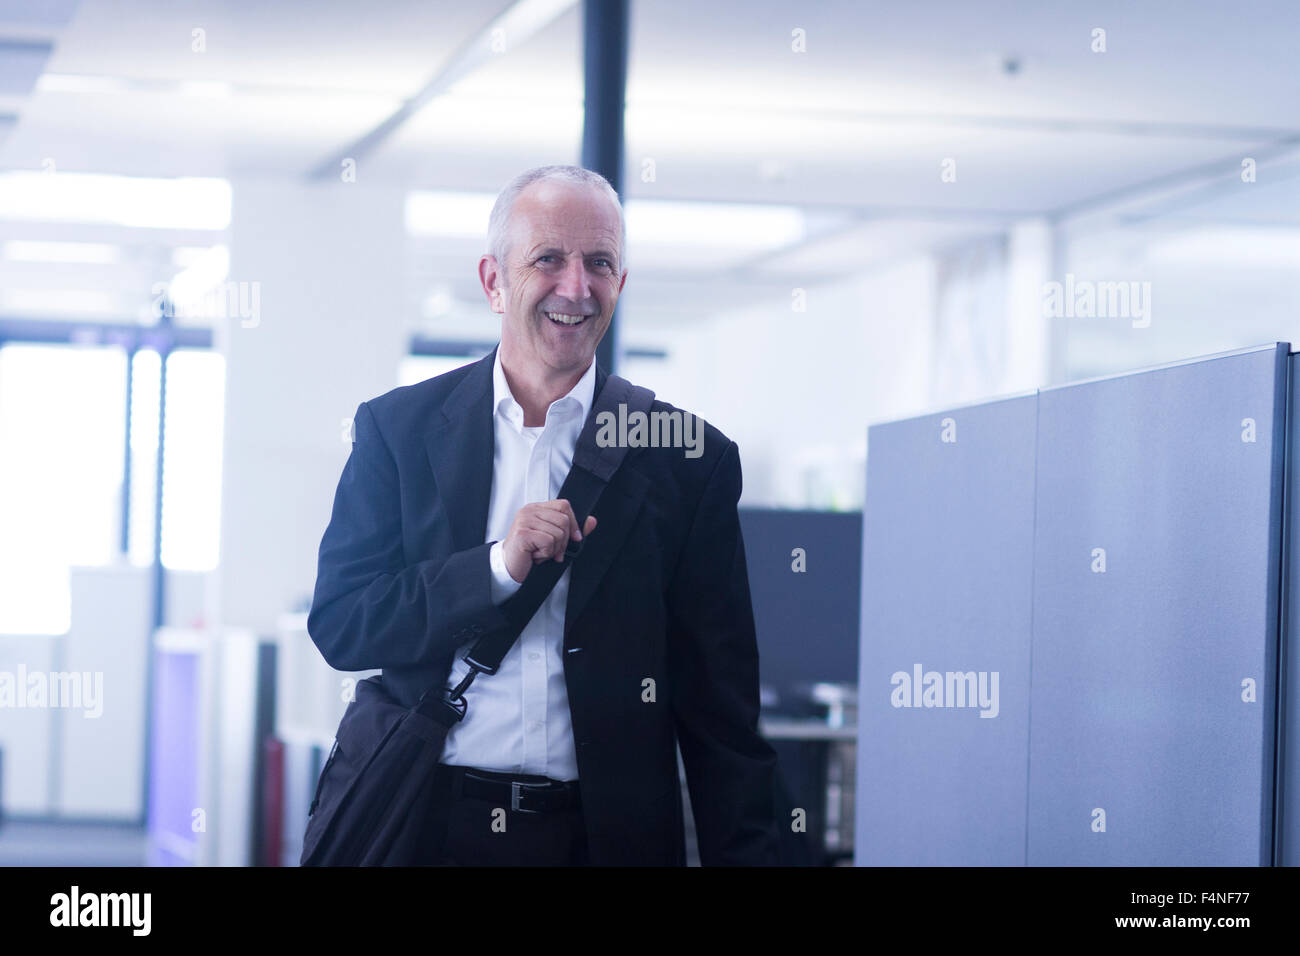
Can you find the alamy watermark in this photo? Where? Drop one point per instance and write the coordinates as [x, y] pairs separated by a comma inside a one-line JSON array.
[[922, 688], [1086, 299], [675, 429], [72, 690], [75, 908], [226, 300]]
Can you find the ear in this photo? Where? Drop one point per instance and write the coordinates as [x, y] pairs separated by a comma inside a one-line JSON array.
[[490, 276]]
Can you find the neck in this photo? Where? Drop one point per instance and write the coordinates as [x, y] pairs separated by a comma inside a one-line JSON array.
[[535, 389]]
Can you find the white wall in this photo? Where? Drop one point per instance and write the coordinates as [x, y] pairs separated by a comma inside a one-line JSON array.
[[796, 390], [26, 732], [331, 263], [102, 758], [1212, 289]]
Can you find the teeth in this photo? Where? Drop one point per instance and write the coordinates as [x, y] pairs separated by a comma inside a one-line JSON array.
[[564, 319]]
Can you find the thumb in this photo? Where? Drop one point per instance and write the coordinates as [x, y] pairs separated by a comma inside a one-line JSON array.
[[591, 523]]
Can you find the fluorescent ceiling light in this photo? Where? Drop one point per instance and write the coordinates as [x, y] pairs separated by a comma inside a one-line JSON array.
[[94, 253], [201, 277], [453, 214], [1236, 247], [276, 94], [500, 121], [209, 88], [658, 221], [185, 203], [79, 83], [185, 256], [712, 224], [76, 302]]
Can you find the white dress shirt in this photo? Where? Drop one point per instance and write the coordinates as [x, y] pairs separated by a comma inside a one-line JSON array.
[[518, 718]]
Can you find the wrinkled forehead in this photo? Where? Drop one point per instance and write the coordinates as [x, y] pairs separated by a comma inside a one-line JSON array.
[[569, 215]]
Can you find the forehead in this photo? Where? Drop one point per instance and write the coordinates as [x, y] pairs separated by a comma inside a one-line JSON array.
[[562, 211]]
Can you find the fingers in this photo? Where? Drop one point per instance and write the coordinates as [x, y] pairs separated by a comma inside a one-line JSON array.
[[543, 529], [541, 545], [559, 520]]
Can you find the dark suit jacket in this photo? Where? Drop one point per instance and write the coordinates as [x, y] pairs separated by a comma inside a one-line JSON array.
[[660, 590]]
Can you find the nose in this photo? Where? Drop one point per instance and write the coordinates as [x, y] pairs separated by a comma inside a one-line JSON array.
[[573, 282]]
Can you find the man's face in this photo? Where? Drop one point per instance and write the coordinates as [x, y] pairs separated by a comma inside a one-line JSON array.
[[563, 261]]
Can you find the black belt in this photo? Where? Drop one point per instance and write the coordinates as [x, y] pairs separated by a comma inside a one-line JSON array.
[[523, 793]]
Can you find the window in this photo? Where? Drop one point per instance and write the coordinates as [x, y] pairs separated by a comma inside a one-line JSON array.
[[63, 434], [196, 381], [416, 368], [62, 420]]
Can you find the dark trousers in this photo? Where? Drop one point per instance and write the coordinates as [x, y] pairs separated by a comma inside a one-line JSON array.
[[470, 831]]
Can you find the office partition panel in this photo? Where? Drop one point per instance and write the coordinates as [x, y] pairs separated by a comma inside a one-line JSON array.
[[944, 661], [1156, 578], [1112, 550]]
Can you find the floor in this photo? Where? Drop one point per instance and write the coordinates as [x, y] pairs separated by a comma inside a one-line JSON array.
[[25, 843]]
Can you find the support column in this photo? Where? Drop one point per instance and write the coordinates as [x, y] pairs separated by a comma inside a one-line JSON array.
[[605, 24], [1029, 333]]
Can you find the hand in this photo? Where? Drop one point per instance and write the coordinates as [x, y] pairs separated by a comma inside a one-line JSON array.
[[541, 531]]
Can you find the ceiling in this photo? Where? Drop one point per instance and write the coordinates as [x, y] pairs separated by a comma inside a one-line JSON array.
[[852, 131]]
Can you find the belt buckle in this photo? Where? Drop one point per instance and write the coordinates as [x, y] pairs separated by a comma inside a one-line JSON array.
[[516, 788]]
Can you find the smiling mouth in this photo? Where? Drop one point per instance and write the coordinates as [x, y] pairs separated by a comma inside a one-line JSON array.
[[565, 319]]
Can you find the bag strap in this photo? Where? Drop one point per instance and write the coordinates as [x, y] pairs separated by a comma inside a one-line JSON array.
[[593, 467]]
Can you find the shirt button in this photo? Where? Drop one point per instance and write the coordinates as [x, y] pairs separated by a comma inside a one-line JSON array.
[[534, 656]]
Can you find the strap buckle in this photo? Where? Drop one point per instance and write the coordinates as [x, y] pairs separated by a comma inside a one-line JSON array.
[[439, 705], [516, 791]]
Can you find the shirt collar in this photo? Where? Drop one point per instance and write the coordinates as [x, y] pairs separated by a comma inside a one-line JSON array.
[[581, 396]]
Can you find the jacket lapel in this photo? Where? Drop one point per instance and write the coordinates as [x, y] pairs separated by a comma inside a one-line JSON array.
[[615, 512], [460, 446]]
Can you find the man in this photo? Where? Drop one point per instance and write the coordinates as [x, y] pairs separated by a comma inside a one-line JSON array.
[[567, 753]]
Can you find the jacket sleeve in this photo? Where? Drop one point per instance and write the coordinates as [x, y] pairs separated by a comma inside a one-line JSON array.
[[372, 610], [713, 654]]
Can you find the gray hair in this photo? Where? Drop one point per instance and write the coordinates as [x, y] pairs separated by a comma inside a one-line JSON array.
[[499, 221]]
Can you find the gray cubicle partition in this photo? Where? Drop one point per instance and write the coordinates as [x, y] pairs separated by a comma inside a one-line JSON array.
[[1111, 551], [1156, 591], [947, 572]]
